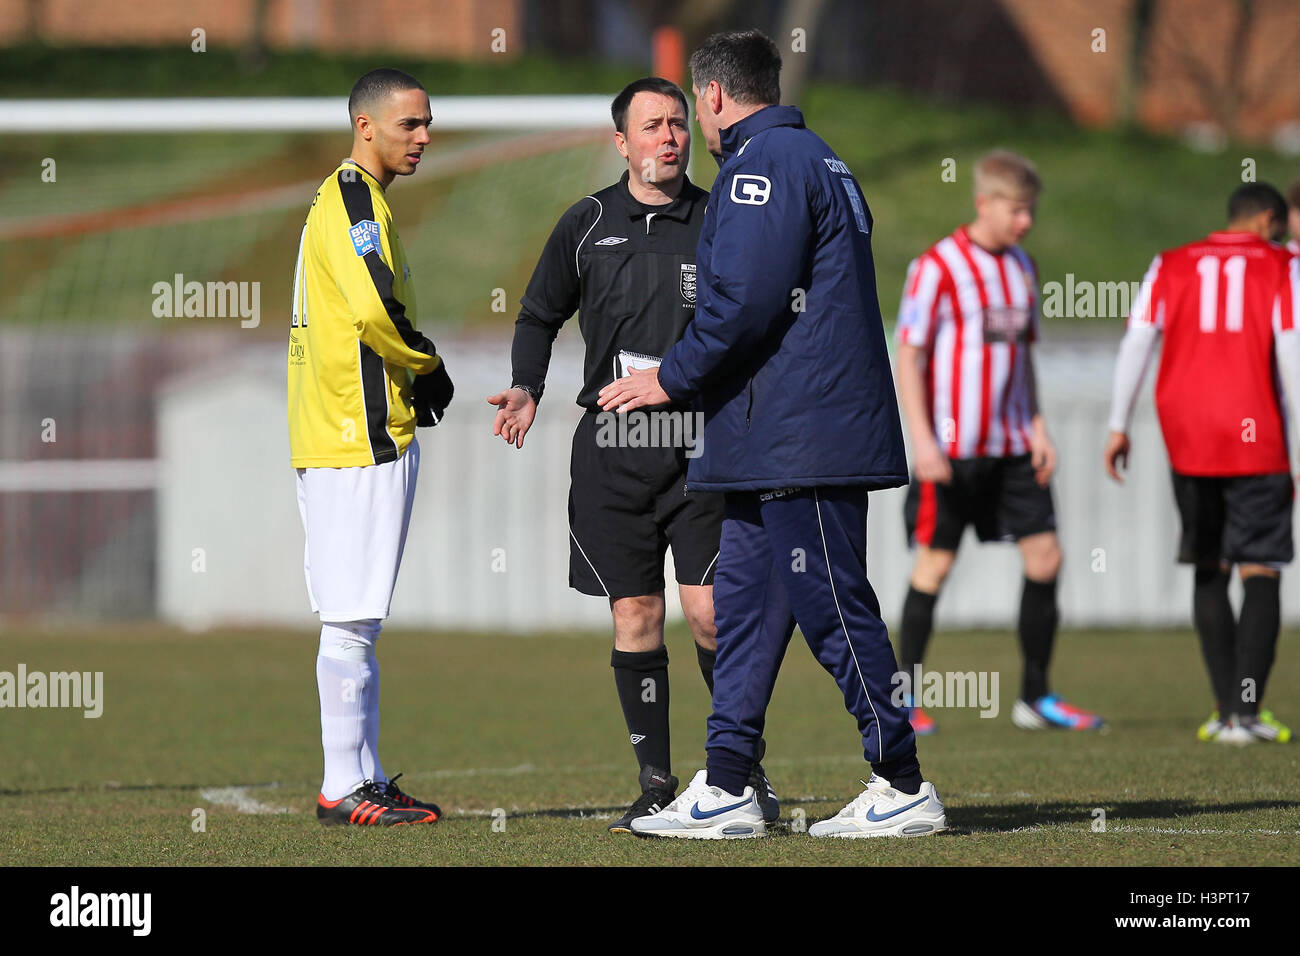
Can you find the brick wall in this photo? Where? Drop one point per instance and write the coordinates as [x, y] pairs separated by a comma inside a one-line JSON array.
[[1061, 36], [1187, 39], [1252, 94], [435, 28], [1192, 37]]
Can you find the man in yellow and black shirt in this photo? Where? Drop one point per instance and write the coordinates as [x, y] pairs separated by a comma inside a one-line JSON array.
[[361, 378], [354, 352]]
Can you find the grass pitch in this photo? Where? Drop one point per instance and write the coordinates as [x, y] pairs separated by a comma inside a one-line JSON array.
[[227, 724]]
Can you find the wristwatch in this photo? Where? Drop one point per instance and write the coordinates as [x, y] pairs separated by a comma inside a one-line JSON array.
[[534, 393]]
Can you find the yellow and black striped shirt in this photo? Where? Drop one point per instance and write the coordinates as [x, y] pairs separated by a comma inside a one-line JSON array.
[[353, 346]]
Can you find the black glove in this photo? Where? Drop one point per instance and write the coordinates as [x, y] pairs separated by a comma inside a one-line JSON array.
[[432, 395]]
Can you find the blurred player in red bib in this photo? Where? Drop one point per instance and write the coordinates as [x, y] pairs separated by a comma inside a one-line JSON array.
[[1226, 308], [1293, 218], [981, 452]]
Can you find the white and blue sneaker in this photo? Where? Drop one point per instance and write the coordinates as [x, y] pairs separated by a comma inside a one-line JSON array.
[[701, 812], [882, 811], [1235, 733]]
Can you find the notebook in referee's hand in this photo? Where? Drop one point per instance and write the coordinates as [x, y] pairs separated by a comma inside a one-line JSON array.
[[627, 361]]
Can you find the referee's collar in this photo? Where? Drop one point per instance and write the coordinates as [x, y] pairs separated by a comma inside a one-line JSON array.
[[679, 208]]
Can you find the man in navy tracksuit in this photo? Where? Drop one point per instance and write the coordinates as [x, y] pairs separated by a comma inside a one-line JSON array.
[[787, 357]]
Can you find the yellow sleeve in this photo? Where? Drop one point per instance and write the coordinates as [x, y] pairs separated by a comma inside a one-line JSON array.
[[360, 256]]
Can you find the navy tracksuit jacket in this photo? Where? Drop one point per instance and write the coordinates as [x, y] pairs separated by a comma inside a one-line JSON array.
[[786, 356]]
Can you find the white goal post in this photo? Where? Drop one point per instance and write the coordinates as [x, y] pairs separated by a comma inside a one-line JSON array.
[[284, 114]]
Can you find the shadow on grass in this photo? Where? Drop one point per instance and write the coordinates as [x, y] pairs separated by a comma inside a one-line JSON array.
[[136, 787], [962, 819], [1013, 816]]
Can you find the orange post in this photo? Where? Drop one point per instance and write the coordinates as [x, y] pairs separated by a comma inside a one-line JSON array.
[[669, 53]]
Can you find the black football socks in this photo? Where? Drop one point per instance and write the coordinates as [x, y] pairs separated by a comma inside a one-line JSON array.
[[642, 681], [707, 659], [1256, 642], [1038, 619], [918, 624], [903, 774], [1216, 627]]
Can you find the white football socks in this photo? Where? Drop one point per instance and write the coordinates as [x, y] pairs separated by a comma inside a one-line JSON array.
[[370, 765], [347, 678]]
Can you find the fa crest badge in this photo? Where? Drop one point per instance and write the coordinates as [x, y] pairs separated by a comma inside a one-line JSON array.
[[688, 282]]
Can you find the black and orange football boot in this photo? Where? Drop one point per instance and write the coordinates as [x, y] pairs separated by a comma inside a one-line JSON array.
[[392, 791], [368, 805]]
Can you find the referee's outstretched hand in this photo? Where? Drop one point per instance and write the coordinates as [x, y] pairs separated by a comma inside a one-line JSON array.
[[515, 412]]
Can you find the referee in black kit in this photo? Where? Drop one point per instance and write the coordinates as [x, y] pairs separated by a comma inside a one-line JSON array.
[[624, 258]]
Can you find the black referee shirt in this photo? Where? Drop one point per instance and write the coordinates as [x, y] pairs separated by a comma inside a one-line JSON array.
[[629, 271]]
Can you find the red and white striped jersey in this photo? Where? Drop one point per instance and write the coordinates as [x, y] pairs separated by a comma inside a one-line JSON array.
[[975, 314], [1219, 302]]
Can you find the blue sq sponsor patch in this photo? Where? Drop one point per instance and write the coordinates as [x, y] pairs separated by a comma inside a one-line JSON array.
[[365, 236]]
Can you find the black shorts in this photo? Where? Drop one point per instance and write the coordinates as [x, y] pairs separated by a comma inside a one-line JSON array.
[[627, 505], [1242, 519], [999, 496]]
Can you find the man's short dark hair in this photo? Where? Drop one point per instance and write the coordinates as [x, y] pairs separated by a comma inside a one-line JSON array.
[[377, 85], [1254, 198], [746, 65], [647, 84]]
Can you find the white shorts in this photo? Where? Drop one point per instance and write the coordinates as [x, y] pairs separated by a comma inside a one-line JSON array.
[[355, 520]]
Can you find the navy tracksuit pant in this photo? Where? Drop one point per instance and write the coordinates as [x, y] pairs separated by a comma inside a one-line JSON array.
[[801, 557]]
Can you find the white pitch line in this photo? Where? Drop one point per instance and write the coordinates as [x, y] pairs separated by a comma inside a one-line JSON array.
[[237, 799], [576, 813], [522, 768], [1126, 828], [1123, 828]]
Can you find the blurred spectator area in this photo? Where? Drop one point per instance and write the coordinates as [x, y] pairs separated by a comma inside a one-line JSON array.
[[1164, 64], [78, 454]]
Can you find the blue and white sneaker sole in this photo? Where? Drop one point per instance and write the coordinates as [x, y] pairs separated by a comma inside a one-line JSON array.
[[723, 830], [856, 830]]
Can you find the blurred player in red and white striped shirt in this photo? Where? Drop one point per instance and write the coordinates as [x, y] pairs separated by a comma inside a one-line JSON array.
[[1226, 306], [981, 453]]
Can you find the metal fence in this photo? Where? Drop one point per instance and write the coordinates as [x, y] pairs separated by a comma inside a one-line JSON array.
[[167, 492]]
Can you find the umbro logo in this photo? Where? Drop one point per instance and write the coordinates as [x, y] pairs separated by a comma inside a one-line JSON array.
[[611, 241], [636, 738]]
